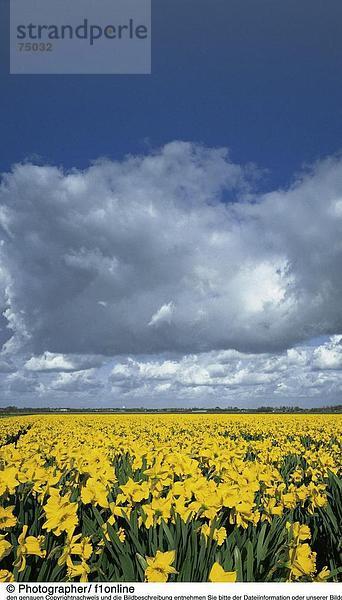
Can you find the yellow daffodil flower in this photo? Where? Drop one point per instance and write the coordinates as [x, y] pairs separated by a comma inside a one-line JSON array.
[[219, 575], [159, 567]]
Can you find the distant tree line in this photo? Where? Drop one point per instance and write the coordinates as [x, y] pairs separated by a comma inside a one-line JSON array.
[[217, 409]]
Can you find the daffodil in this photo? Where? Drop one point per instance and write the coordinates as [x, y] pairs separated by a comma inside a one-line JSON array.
[[271, 509], [207, 503], [323, 575], [120, 511], [152, 470], [243, 514], [95, 492], [298, 532], [181, 509], [6, 576], [218, 535], [80, 570], [7, 518], [160, 508], [134, 491], [219, 575], [5, 547], [289, 500], [8, 481], [76, 545], [61, 514], [302, 561], [159, 567], [159, 476], [28, 545]]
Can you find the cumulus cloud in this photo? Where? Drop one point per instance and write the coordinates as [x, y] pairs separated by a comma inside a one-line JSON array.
[[172, 252], [230, 376], [79, 381], [329, 356], [49, 362], [91, 258], [216, 378]]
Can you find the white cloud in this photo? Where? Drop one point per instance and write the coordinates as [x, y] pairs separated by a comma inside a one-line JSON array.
[[171, 254], [230, 377], [163, 315], [216, 378], [297, 357], [121, 239], [48, 361], [329, 356], [79, 381]]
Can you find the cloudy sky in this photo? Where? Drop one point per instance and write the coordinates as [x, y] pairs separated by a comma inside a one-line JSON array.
[[176, 239], [168, 278]]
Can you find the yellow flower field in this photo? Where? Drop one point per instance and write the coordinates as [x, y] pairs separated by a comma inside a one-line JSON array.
[[170, 498]]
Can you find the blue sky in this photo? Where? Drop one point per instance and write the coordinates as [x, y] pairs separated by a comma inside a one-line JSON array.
[[259, 77]]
